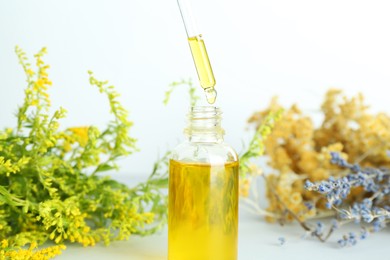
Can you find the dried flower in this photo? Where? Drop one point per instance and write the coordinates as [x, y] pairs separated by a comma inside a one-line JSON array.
[[312, 174], [374, 206], [298, 151], [281, 240]]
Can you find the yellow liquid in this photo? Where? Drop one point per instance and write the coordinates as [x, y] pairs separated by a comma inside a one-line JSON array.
[[203, 67], [203, 211]]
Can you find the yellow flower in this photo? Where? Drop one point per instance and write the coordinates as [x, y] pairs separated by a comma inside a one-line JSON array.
[[4, 243], [30, 72], [33, 245], [244, 187], [81, 134], [40, 82], [296, 198]]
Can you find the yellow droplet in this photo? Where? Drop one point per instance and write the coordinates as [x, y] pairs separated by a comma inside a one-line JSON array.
[[211, 95]]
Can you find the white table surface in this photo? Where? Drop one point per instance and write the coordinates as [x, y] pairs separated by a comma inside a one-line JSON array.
[[257, 240]]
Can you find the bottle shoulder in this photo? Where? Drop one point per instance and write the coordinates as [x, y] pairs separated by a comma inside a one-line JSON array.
[[204, 152]]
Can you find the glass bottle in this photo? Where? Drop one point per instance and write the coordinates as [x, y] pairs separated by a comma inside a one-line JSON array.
[[203, 192]]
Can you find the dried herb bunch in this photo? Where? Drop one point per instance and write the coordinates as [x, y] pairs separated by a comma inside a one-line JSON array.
[[51, 187], [350, 141]]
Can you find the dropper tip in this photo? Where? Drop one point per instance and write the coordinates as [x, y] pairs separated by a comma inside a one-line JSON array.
[[211, 95]]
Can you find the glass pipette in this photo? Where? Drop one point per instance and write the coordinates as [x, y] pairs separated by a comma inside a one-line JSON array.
[[199, 53]]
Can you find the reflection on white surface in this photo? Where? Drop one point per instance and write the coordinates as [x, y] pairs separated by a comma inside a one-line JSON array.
[[257, 240]]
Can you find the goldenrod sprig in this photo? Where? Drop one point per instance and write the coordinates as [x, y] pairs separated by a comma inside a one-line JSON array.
[[256, 145], [192, 91], [46, 191]]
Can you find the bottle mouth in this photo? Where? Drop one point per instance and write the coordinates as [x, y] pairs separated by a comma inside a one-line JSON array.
[[204, 120], [204, 112]]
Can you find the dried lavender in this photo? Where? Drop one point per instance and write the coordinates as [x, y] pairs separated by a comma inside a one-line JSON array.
[[372, 212], [281, 241]]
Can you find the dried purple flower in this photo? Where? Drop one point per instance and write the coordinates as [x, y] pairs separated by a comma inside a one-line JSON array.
[[373, 210], [282, 241]]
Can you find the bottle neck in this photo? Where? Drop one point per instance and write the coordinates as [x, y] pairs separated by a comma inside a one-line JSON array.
[[204, 125], [203, 138]]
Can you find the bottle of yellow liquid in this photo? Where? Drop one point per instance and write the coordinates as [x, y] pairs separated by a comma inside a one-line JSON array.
[[203, 192]]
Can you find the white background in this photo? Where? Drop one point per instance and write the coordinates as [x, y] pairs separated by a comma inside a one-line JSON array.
[[258, 49]]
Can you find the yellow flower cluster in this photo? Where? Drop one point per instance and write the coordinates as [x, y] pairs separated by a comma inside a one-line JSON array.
[[66, 222], [32, 253], [365, 137], [52, 187], [298, 150], [74, 135], [249, 170]]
